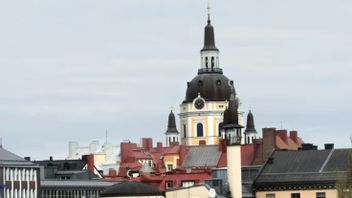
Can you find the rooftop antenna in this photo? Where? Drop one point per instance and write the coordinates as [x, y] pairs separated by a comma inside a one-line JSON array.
[[281, 125], [0, 142], [106, 136]]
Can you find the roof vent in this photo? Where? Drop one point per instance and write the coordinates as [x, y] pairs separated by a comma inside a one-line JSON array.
[[329, 146], [309, 146]]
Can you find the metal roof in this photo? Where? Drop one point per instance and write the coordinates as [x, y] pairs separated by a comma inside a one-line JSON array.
[[7, 159], [202, 156], [303, 167]]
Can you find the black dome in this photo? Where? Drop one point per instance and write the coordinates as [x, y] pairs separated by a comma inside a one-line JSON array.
[[131, 189], [212, 86]]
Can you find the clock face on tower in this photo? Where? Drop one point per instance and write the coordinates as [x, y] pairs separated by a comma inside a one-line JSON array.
[[199, 103]]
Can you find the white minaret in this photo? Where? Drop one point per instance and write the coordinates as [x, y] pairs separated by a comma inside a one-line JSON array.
[[232, 132]]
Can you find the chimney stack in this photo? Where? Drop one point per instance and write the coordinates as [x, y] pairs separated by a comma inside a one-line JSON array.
[[329, 146]]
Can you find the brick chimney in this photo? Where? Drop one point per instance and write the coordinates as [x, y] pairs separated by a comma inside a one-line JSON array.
[[294, 136], [282, 134], [147, 143], [159, 147], [90, 163]]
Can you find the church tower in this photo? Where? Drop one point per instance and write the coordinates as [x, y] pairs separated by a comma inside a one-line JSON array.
[[171, 132], [250, 132], [201, 113]]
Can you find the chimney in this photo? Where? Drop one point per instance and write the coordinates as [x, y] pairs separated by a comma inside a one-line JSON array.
[[147, 143], [222, 145], [282, 134], [294, 136], [159, 147], [27, 158], [51, 158], [112, 172], [90, 163], [329, 146], [308, 146]]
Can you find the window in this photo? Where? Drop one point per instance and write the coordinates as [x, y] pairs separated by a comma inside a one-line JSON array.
[[320, 195], [199, 130], [270, 195], [212, 62], [206, 62], [170, 167], [248, 140], [295, 195], [169, 184], [174, 139], [184, 131], [187, 183]]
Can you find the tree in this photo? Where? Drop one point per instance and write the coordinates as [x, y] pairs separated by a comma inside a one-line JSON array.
[[344, 180]]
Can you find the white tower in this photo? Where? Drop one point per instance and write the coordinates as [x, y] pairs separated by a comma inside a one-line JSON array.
[[232, 132], [171, 132], [250, 133]]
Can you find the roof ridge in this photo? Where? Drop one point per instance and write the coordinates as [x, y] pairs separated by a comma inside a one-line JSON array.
[[326, 160]]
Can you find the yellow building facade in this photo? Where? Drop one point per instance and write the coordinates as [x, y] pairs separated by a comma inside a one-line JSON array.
[[201, 112], [319, 193]]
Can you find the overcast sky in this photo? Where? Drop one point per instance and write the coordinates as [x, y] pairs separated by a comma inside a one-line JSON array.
[[70, 69]]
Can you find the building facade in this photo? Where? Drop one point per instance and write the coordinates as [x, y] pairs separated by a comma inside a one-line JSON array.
[[18, 177]]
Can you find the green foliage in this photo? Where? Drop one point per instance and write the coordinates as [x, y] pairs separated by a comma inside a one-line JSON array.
[[344, 180]]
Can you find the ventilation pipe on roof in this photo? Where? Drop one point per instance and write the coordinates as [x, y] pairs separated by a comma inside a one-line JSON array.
[[329, 146]]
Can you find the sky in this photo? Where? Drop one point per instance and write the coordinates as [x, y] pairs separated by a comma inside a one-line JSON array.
[[72, 69]]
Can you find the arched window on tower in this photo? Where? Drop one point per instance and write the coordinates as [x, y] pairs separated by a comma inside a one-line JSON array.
[[212, 62], [206, 62], [248, 140], [184, 131], [199, 130]]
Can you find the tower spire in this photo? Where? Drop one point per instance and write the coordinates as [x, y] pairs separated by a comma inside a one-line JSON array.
[[209, 52], [208, 8]]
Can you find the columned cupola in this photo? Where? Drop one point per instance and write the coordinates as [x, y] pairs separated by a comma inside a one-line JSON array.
[[171, 132], [207, 96], [250, 132], [209, 53]]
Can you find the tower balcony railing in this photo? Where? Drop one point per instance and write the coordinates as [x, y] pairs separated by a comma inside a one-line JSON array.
[[210, 70]]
